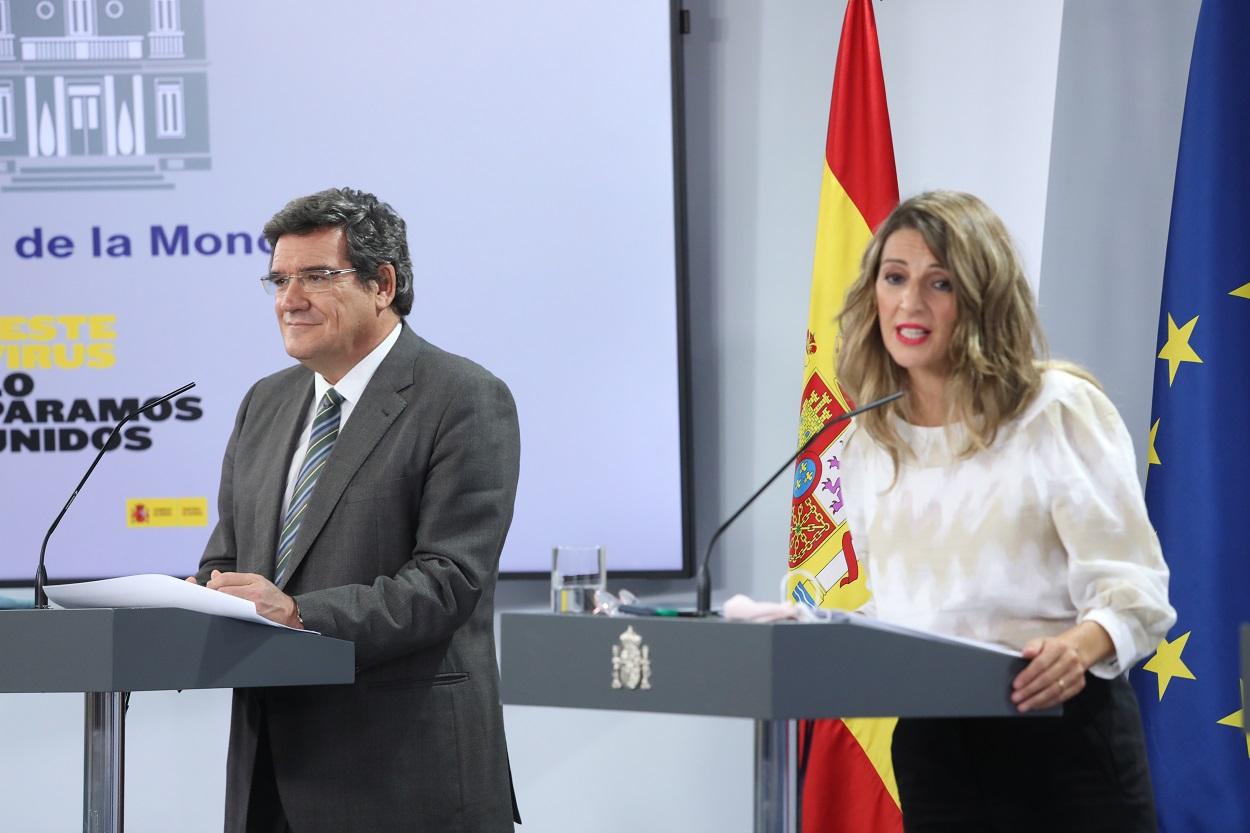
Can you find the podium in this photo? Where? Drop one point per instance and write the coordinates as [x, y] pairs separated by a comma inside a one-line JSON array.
[[772, 673], [107, 653]]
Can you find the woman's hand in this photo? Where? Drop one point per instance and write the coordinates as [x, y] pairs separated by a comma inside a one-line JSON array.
[[1057, 666]]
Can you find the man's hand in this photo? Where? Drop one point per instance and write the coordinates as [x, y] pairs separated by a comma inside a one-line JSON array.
[[270, 602]]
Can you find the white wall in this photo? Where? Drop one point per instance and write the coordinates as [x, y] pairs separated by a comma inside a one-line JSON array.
[[972, 96], [971, 86]]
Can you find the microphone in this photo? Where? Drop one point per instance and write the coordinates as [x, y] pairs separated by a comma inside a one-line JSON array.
[[703, 579], [41, 575]]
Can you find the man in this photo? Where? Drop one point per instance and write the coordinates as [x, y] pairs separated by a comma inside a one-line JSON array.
[[366, 494]]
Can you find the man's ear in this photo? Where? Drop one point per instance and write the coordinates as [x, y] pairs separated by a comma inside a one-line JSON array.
[[386, 281]]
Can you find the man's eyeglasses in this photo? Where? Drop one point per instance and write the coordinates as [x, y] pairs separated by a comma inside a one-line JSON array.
[[310, 280]]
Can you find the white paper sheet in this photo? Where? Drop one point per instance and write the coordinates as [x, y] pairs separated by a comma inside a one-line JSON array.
[[154, 591], [859, 620]]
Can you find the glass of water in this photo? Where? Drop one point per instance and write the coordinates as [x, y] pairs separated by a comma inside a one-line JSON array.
[[576, 573]]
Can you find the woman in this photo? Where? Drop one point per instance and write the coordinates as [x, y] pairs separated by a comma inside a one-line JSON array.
[[998, 500]]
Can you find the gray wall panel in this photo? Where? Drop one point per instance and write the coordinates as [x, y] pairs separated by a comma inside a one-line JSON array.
[[1121, 91]]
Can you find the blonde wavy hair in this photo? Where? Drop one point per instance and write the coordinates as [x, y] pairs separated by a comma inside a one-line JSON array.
[[997, 349]]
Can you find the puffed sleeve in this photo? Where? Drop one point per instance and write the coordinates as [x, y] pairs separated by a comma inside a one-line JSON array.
[[1116, 573]]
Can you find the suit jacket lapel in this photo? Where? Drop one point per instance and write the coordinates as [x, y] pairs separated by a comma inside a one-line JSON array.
[[288, 424], [371, 418]]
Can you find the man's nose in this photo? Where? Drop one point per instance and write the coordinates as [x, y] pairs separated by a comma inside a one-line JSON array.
[[293, 295]]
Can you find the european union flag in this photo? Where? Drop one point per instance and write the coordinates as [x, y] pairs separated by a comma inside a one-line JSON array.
[[1198, 482]]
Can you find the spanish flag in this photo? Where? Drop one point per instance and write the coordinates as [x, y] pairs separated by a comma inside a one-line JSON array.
[[846, 780]]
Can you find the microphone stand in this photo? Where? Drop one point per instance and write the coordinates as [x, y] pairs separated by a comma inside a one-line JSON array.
[[703, 579], [41, 575]]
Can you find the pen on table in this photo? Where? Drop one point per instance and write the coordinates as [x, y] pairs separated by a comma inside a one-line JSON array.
[[641, 610]]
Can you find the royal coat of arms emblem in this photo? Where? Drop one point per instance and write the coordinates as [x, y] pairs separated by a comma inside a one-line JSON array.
[[631, 662]]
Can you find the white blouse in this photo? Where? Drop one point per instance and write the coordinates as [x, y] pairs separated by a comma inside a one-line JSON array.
[[1045, 529]]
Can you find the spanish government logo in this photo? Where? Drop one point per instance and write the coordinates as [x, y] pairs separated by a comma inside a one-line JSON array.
[[631, 662], [102, 95]]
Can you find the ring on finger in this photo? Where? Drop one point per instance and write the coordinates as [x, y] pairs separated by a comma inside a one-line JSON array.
[[1062, 684]]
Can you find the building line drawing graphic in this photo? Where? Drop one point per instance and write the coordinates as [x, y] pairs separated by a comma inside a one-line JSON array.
[[102, 95]]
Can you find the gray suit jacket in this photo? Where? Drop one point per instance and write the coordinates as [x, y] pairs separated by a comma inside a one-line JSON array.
[[398, 552]]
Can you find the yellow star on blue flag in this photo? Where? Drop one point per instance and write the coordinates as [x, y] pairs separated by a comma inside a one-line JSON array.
[[1167, 664], [1177, 349], [1237, 720]]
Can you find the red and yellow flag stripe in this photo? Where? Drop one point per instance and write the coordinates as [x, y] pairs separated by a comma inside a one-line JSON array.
[[847, 777]]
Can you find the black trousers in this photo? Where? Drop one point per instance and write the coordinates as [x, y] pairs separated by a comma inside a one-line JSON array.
[[1085, 771], [265, 813]]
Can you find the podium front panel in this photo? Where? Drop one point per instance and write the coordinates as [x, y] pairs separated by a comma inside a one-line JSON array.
[[784, 670], [152, 649], [1245, 669]]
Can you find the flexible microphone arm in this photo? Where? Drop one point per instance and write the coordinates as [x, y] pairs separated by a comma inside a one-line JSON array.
[[703, 580], [41, 575]]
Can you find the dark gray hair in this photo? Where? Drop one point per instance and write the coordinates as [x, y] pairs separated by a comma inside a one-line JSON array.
[[375, 234]]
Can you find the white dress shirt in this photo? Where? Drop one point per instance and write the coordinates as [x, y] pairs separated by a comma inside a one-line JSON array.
[[350, 387]]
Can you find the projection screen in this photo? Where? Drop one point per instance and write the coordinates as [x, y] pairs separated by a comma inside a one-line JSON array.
[[144, 143]]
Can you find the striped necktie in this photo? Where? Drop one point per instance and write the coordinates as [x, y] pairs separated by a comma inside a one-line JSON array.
[[325, 431]]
